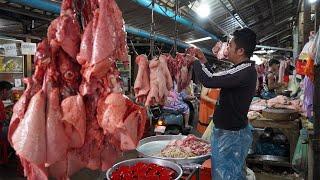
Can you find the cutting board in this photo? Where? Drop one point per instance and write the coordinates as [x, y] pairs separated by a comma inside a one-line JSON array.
[[280, 114]]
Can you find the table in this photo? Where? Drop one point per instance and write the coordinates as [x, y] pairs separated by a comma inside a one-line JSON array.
[[290, 129]]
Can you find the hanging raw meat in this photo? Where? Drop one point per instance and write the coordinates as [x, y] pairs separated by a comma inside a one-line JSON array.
[[142, 82], [67, 117], [180, 68], [160, 81], [220, 50], [154, 82], [29, 138]]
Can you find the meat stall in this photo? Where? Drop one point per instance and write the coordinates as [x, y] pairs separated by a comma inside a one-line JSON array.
[[73, 113], [276, 124]]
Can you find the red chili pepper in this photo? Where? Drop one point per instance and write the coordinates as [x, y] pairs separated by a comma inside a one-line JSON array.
[[143, 171], [165, 177], [153, 177], [152, 172]]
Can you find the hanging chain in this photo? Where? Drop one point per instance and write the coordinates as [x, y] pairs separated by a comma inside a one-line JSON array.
[[152, 33], [175, 27]]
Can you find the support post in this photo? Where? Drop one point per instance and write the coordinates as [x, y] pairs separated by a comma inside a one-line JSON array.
[[316, 135], [28, 63]]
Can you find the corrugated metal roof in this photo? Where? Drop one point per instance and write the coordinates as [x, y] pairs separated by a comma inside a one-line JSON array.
[[225, 16]]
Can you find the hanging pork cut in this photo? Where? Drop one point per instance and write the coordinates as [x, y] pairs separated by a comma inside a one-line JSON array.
[[220, 50], [160, 81], [142, 82], [180, 67], [155, 79], [73, 114]]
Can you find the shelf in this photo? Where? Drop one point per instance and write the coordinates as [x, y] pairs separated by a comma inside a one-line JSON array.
[[124, 70], [11, 72], [10, 56]]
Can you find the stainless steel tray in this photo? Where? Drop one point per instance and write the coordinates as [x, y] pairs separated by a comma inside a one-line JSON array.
[[270, 158], [151, 146], [159, 162]]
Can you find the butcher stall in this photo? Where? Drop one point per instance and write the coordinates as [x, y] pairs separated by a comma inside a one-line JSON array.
[[108, 90], [277, 123]]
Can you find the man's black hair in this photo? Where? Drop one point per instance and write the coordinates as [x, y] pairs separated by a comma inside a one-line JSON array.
[[273, 61], [247, 39], [5, 85]]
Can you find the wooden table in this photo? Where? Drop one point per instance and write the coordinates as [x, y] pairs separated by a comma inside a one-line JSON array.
[[288, 128]]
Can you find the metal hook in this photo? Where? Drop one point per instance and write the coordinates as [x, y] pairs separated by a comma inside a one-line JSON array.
[[134, 49]]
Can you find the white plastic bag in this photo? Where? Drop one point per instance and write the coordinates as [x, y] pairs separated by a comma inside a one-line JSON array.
[[250, 174]]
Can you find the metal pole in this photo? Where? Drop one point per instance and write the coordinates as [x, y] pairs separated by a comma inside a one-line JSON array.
[[152, 32], [316, 110], [316, 134]]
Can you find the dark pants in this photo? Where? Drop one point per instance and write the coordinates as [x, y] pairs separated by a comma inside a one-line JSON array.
[[191, 109]]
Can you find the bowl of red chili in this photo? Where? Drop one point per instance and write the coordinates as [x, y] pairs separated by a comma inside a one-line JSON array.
[[145, 168]]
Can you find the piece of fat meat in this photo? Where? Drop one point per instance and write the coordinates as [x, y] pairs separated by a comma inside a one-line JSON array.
[[74, 118], [29, 139]]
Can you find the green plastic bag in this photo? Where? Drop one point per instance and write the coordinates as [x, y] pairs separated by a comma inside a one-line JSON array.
[[293, 85], [300, 157], [208, 132]]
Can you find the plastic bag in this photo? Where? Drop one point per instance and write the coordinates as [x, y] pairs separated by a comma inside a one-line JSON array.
[[300, 157], [208, 132], [250, 174], [293, 85], [308, 96], [305, 53], [316, 50]]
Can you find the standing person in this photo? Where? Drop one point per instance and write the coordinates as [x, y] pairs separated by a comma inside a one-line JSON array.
[[231, 137], [208, 100], [270, 81]]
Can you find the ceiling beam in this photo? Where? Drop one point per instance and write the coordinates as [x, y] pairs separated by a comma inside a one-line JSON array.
[[272, 12], [248, 5], [284, 21], [259, 22], [24, 12], [231, 14], [273, 35], [274, 48], [237, 11], [211, 22], [285, 38], [4, 33]]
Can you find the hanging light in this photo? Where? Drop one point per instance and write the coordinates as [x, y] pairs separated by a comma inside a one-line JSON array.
[[203, 10], [198, 40]]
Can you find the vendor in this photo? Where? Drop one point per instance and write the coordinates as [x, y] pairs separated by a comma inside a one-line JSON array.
[[270, 81], [175, 102], [231, 137], [188, 97], [208, 102], [5, 90]]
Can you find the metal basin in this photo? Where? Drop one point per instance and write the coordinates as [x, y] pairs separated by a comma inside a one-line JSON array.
[[159, 162], [151, 146]]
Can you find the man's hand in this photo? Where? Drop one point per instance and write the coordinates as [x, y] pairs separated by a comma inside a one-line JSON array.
[[199, 54], [213, 101]]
